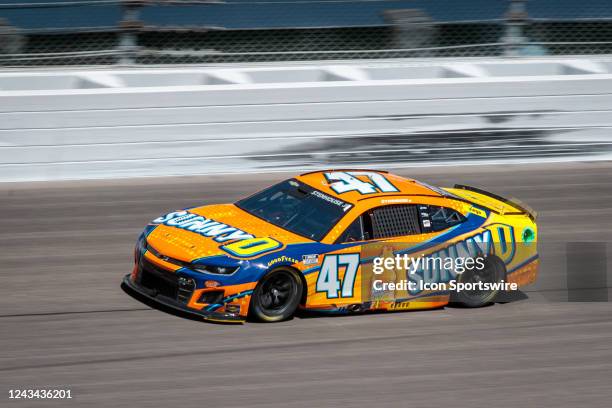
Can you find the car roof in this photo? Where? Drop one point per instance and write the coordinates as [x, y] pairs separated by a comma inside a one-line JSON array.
[[323, 179]]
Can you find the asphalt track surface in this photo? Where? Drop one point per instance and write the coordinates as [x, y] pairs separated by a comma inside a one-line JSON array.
[[65, 322]]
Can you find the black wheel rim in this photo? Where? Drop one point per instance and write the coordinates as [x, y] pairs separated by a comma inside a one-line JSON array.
[[277, 292], [491, 273]]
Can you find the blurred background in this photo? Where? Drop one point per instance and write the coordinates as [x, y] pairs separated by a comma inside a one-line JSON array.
[[77, 32], [123, 88], [512, 96]]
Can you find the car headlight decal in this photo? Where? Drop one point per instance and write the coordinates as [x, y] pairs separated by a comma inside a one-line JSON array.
[[215, 269]]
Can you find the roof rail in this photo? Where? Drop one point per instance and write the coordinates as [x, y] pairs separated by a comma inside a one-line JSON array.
[[324, 170], [399, 195]]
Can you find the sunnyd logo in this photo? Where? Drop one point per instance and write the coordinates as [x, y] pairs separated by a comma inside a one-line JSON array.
[[496, 239], [203, 226]]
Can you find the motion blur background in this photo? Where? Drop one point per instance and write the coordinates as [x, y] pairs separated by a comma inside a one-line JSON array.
[[113, 112], [65, 32], [106, 88]]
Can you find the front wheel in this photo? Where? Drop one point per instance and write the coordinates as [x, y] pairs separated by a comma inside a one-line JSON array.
[[276, 296], [494, 271]]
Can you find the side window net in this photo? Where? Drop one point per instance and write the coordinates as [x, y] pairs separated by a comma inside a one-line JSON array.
[[394, 221], [442, 218]]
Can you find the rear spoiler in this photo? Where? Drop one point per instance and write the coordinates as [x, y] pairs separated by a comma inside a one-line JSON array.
[[524, 208]]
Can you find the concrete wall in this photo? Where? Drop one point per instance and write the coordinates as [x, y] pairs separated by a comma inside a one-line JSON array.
[[127, 123]]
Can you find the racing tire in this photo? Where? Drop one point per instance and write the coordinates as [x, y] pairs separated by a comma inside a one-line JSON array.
[[494, 271], [276, 296]]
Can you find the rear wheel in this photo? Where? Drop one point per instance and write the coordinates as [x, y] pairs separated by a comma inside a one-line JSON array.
[[494, 271], [276, 296]]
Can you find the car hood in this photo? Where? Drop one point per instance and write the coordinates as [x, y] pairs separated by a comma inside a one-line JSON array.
[[197, 233]]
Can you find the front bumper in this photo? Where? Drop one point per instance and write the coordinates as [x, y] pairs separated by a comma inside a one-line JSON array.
[[134, 289]]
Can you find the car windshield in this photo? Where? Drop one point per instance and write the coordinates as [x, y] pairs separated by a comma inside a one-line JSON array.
[[296, 207]]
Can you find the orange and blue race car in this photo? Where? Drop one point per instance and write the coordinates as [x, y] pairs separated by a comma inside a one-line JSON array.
[[321, 242]]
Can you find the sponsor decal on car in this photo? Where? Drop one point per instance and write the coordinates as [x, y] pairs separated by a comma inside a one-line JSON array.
[[311, 259], [203, 226], [496, 239], [478, 212], [283, 259], [330, 199], [395, 201]]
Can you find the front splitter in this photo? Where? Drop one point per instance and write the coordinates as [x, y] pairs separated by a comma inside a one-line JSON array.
[[134, 289]]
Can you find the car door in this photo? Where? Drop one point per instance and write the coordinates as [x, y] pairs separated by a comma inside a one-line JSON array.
[[389, 231], [346, 275]]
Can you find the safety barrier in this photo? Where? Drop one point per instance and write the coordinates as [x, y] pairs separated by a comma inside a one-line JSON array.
[[179, 121]]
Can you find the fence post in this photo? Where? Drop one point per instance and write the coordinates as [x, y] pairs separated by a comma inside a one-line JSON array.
[[129, 26], [412, 29], [514, 33], [11, 41]]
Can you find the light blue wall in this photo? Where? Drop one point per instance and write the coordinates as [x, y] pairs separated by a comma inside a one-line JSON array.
[[240, 14]]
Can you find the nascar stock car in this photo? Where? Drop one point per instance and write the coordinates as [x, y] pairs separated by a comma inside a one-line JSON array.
[[312, 242]]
